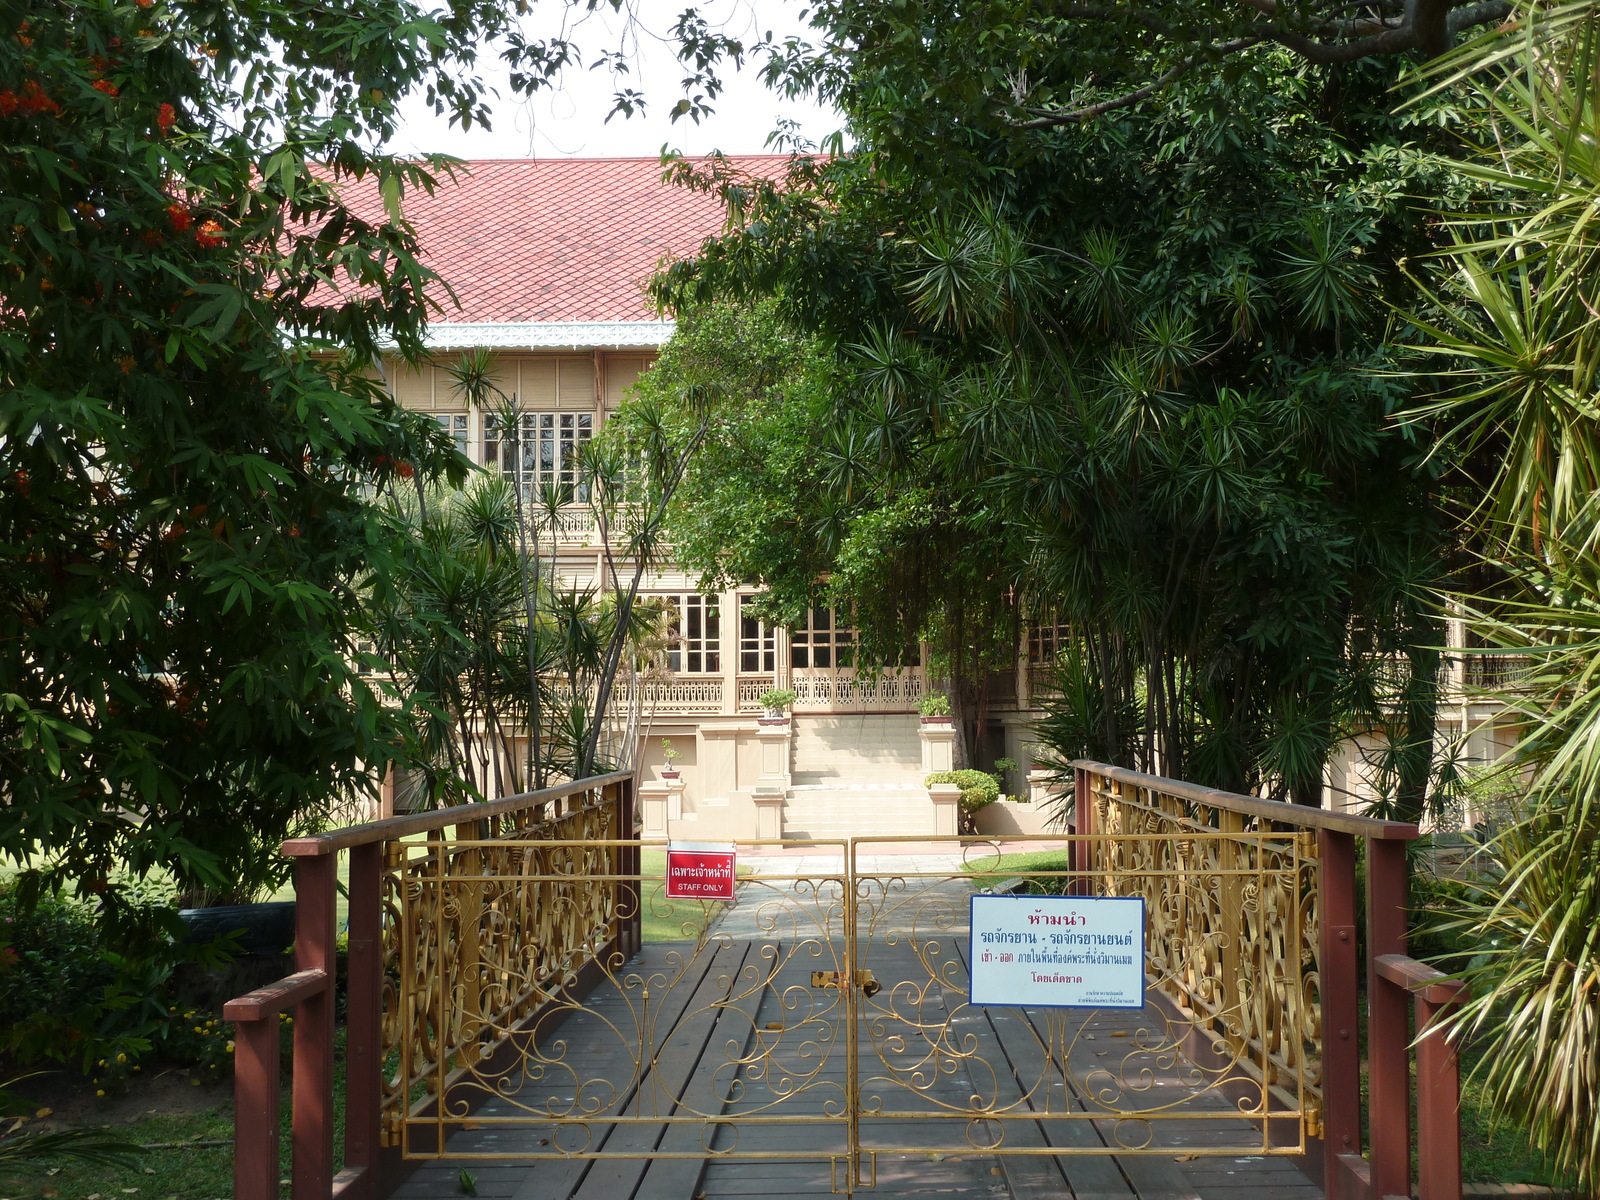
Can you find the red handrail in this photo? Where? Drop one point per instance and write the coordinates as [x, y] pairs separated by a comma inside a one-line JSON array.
[[310, 991], [1393, 981]]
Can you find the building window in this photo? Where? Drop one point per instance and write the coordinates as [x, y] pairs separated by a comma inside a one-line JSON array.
[[758, 644], [696, 625], [455, 425], [550, 445], [826, 641], [1046, 640]]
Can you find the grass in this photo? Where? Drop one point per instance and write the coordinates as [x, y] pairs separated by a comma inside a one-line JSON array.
[[1496, 1150], [986, 872], [184, 1161], [666, 920]]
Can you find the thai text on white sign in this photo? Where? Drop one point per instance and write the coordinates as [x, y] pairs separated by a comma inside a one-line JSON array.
[[1058, 951]]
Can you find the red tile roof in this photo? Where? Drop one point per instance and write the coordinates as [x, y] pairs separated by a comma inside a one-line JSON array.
[[559, 240]]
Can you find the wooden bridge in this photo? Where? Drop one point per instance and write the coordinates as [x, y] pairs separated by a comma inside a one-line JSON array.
[[507, 1019]]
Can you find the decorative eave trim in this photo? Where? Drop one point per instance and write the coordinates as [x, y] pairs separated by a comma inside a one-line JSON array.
[[548, 335]]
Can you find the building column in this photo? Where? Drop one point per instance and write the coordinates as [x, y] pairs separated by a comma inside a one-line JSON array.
[[728, 650]]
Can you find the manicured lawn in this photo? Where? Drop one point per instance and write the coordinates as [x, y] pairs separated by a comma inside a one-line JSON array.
[[986, 872], [188, 1154]]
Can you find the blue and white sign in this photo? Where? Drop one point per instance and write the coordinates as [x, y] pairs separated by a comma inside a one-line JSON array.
[[1058, 951]]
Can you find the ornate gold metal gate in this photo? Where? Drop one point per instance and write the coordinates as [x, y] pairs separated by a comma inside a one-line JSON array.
[[825, 1015]]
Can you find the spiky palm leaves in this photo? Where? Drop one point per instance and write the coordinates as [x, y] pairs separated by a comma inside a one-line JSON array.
[[462, 649], [1521, 329]]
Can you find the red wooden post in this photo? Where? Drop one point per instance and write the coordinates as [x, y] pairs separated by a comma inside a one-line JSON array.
[[363, 1023], [1082, 857], [631, 892], [1438, 1100], [1388, 1039], [313, 1029], [255, 1107], [1341, 1046]]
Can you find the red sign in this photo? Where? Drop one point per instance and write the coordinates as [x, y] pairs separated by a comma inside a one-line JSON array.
[[700, 871]]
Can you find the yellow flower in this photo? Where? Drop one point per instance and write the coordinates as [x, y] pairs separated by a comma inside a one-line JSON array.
[[100, 1092], [122, 1058]]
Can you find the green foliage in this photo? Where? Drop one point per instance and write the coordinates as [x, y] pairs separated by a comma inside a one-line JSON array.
[[184, 514], [1131, 376], [934, 704], [777, 698], [486, 645], [1515, 301], [99, 999]]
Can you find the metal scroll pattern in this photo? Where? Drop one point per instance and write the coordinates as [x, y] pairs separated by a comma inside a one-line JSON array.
[[1134, 1076], [476, 932], [611, 1066], [1233, 907], [834, 1002]]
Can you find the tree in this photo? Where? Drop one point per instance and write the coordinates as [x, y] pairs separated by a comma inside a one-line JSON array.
[[1512, 341], [1039, 64], [190, 441], [1137, 370]]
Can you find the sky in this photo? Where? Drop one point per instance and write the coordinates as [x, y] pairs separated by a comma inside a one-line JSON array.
[[569, 122]]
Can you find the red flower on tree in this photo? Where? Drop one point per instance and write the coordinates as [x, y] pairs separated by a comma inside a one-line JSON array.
[[180, 216], [106, 86], [166, 117], [34, 99], [210, 235]]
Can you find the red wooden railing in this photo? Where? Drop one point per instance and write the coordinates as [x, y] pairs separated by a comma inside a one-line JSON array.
[[310, 992], [1395, 982]]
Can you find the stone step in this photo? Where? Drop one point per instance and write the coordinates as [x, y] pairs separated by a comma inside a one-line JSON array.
[[856, 809]]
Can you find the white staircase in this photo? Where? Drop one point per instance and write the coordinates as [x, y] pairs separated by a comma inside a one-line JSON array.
[[855, 775], [856, 810]]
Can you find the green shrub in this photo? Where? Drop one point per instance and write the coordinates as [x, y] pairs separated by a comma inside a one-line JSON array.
[[96, 995], [934, 704], [51, 960], [777, 698], [978, 788]]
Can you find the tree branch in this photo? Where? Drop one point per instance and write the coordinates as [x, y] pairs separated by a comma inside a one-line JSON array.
[[1430, 26], [1045, 119]]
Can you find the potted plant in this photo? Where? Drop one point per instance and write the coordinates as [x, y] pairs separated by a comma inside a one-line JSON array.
[[774, 701], [935, 709], [670, 771]]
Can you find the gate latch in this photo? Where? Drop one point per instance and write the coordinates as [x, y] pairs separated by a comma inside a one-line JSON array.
[[837, 979]]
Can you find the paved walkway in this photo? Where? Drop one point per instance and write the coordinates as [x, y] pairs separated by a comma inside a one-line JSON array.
[[744, 1056]]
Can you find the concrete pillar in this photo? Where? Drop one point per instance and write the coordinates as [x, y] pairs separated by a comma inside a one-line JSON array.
[[769, 813], [1042, 789], [946, 799], [772, 787], [773, 733], [653, 795], [938, 744]]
